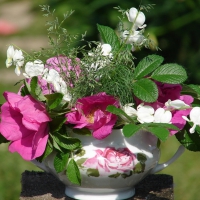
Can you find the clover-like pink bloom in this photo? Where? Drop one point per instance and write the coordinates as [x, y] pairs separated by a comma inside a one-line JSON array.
[[177, 118], [63, 64], [90, 112], [24, 122], [111, 159]]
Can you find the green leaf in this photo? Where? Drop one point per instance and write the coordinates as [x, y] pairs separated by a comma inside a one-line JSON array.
[[147, 65], [109, 36], [131, 129], [188, 140], [65, 142], [79, 162], [170, 73], [139, 168], [146, 90], [93, 172], [193, 90], [127, 175], [35, 89], [60, 161], [141, 157], [159, 132], [54, 100], [3, 139], [118, 111], [114, 175], [163, 125], [57, 123], [73, 172]]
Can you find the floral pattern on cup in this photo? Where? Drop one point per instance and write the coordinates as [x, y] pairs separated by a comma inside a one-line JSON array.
[[113, 162]]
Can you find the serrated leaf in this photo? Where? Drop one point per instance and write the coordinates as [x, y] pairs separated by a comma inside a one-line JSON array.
[[188, 140], [60, 161], [118, 112], [147, 65], [130, 129], [73, 172], [109, 36], [146, 90], [159, 132], [93, 172], [57, 123], [54, 100], [170, 73], [65, 142]]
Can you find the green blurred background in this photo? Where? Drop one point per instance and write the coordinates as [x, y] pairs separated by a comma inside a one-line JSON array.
[[174, 25]]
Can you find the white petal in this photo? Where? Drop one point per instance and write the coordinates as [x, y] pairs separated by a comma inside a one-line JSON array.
[[10, 52], [130, 111], [195, 115], [106, 49], [17, 70], [177, 104], [8, 62]]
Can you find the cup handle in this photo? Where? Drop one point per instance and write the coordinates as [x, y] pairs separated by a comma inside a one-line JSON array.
[[162, 166]]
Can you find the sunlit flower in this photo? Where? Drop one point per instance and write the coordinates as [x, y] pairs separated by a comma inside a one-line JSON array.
[[35, 68], [135, 37], [18, 58], [10, 54], [162, 116], [194, 117], [176, 104], [106, 50], [145, 114]]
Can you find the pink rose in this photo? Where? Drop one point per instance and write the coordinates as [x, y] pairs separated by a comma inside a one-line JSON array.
[[110, 159], [24, 122], [90, 112]]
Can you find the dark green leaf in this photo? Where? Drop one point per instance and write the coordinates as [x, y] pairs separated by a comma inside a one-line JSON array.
[[159, 132], [54, 100], [57, 123], [164, 125], [188, 140], [109, 36], [127, 175], [147, 65], [93, 172], [73, 172], [141, 157], [131, 129], [3, 139], [60, 161], [146, 90], [170, 73]]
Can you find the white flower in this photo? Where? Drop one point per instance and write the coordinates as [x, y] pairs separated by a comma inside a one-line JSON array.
[[106, 50], [18, 58], [194, 117], [138, 18], [162, 116], [10, 54], [176, 104], [129, 110], [52, 76], [17, 70], [35, 68], [135, 37], [145, 114]]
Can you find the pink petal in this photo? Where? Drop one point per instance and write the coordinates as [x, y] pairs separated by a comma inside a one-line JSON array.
[[12, 98]]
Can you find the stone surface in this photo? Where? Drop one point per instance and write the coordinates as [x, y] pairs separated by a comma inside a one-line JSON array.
[[44, 186]]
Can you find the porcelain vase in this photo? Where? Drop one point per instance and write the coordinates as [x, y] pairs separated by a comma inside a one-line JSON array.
[[110, 168]]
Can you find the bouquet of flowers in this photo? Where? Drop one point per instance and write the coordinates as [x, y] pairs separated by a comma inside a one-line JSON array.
[[93, 89]]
